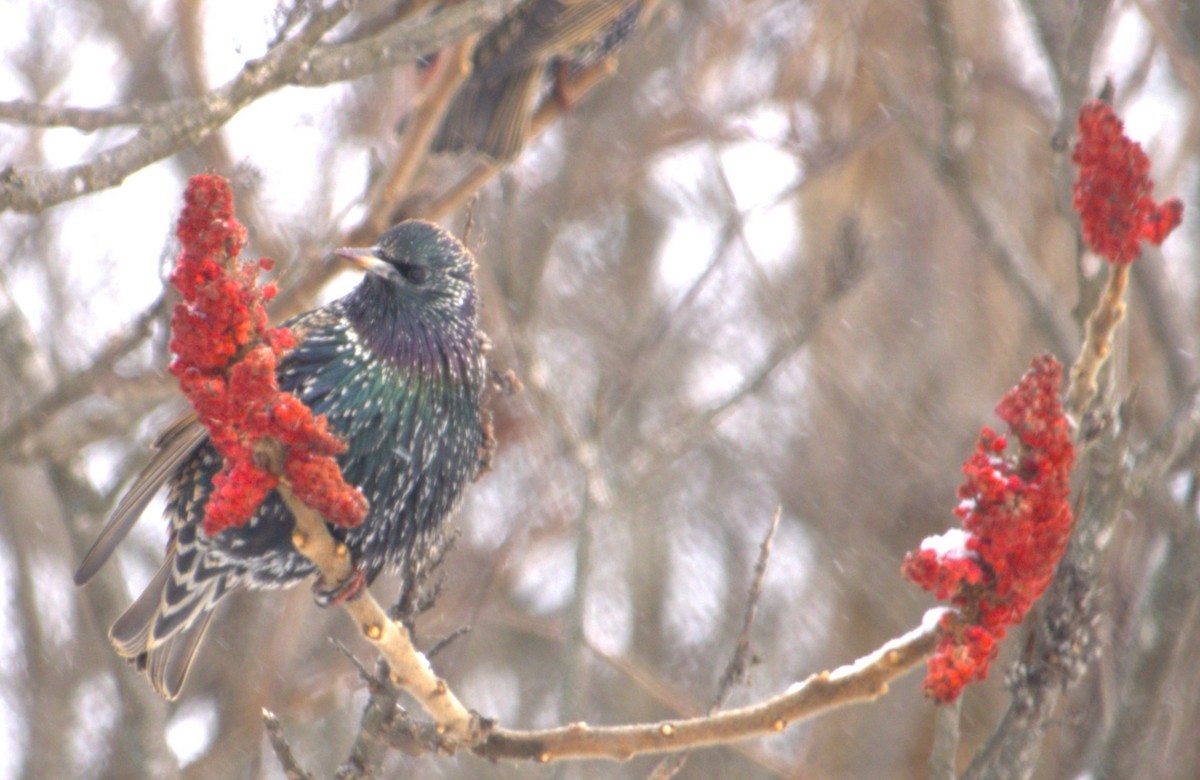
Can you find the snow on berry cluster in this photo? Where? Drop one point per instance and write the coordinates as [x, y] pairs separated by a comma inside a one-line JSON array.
[[1016, 516]]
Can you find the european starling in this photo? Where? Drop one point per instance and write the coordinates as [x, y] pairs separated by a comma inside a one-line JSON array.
[[397, 368], [491, 112]]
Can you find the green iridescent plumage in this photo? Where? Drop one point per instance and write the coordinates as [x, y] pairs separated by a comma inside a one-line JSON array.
[[397, 368]]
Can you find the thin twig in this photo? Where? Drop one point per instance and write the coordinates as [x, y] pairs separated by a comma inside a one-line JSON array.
[[283, 751], [1097, 342], [446, 641], [738, 668], [739, 665], [363, 672], [365, 759]]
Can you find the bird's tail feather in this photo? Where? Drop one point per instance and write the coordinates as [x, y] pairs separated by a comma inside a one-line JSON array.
[[162, 630]]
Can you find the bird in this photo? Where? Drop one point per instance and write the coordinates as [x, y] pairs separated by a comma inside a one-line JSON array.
[[397, 367], [539, 41]]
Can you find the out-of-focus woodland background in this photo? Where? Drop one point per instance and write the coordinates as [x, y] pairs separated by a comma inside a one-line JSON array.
[[790, 254]]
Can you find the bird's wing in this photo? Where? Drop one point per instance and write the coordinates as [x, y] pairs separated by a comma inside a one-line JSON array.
[[177, 442], [181, 438], [508, 127], [554, 27], [582, 20]]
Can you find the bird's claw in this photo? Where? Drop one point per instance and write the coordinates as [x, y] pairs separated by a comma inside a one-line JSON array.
[[347, 590]]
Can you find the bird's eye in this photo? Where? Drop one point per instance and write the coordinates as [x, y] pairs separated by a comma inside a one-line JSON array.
[[415, 274]]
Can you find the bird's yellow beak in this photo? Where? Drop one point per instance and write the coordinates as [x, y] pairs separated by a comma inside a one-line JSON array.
[[366, 259]]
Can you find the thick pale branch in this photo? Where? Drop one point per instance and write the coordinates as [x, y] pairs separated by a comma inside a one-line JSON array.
[[409, 668], [456, 727]]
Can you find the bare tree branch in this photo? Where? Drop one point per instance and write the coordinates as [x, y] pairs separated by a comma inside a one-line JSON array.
[[35, 191], [864, 680], [78, 385], [400, 43], [408, 667]]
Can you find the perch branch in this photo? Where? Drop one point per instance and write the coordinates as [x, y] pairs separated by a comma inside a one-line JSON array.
[[409, 668], [455, 728]]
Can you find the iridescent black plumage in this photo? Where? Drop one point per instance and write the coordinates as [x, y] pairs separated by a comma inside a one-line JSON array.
[[492, 111], [397, 368]]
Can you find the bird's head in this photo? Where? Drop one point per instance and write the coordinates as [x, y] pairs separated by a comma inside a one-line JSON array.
[[420, 262]]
